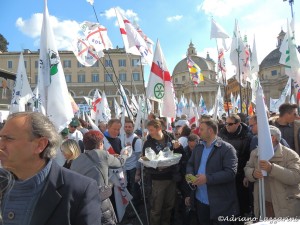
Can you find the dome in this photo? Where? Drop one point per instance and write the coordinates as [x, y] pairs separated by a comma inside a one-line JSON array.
[[271, 59], [201, 62]]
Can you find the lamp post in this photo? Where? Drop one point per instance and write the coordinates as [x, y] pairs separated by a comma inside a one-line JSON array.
[[291, 2]]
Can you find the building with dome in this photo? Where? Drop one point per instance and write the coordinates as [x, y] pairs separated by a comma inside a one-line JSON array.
[[272, 74], [183, 84]]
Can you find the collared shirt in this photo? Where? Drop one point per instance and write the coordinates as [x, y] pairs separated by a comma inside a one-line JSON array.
[[201, 193]]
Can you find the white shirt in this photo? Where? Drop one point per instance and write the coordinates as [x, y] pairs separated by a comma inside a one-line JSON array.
[[131, 162]]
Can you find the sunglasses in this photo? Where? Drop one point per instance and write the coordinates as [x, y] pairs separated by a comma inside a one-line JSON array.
[[229, 124], [73, 126]]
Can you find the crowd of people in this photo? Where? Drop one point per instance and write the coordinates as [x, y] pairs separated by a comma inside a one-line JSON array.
[[63, 178]]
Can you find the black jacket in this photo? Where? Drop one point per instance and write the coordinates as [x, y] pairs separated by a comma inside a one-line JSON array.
[[170, 172]]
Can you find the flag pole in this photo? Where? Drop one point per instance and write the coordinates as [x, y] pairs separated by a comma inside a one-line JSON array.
[[118, 87], [223, 79]]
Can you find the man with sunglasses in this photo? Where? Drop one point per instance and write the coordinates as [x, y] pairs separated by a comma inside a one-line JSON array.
[[73, 132], [237, 134]]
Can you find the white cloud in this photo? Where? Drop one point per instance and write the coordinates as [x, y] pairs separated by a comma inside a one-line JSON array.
[[129, 14], [174, 18], [221, 7], [64, 31]]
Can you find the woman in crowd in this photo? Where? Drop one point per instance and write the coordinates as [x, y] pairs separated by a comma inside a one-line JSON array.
[[71, 150], [95, 163]]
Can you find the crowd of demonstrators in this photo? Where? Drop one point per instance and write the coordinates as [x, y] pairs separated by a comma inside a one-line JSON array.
[[95, 163], [221, 155], [42, 192]]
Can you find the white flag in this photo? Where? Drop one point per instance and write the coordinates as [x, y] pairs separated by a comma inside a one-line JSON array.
[[265, 147], [52, 87], [134, 43], [237, 55], [160, 86], [22, 92], [84, 52], [290, 56], [95, 103], [90, 1], [118, 109], [217, 31], [103, 109]]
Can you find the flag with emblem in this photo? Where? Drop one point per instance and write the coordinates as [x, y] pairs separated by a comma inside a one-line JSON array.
[[52, 88], [22, 92], [160, 86], [95, 102]]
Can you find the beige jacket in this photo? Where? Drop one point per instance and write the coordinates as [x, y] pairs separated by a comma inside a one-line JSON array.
[[283, 180]]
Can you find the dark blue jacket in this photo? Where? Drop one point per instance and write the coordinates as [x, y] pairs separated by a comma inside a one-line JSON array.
[[68, 198], [221, 168]]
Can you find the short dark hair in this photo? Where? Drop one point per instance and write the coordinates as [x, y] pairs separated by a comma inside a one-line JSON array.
[[235, 117], [213, 124], [112, 121], [193, 137], [92, 139], [287, 108], [154, 123]]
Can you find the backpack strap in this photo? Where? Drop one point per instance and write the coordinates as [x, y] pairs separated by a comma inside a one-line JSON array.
[[133, 143]]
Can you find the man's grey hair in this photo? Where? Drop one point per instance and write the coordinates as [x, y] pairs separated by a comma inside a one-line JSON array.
[[275, 132], [41, 126]]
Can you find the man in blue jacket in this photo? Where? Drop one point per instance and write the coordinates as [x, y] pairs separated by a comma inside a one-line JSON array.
[[42, 193], [214, 164]]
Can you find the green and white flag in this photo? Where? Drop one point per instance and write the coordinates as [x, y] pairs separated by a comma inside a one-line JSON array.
[[52, 88]]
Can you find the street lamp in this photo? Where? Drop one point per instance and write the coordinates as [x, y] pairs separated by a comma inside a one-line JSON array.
[[291, 2]]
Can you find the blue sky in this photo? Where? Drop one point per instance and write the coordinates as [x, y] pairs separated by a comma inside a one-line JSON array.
[[174, 22]]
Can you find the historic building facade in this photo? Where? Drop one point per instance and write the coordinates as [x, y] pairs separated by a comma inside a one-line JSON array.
[[81, 80], [184, 86], [272, 74]]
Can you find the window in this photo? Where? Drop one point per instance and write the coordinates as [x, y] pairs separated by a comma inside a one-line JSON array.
[[9, 64], [68, 78], [79, 65], [122, 76], [183, 78], [95, 77], [136, 76], [36, 64], [81, 78], [36, 79], [108, 77], [25, 64], [96, 64], [176, 80], [108, 63], [122, 62], [274, 72], [67, 63], [135, 62]]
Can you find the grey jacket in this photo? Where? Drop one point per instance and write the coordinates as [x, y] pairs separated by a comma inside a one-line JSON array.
[[221, 168]]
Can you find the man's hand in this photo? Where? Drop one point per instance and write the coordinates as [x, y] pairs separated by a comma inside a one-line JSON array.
[[137, 178], [257, 174], [176, 144], [187, 201], [246, 182], [201, 179], [265, 165]]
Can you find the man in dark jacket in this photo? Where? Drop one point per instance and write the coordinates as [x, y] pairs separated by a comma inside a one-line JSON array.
[[43, 192], [163, 190], [238, 135], [214, 164]]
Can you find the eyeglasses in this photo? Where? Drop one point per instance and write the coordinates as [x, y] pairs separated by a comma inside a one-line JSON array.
[[73, 126], [229, 124], [177, 134]]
